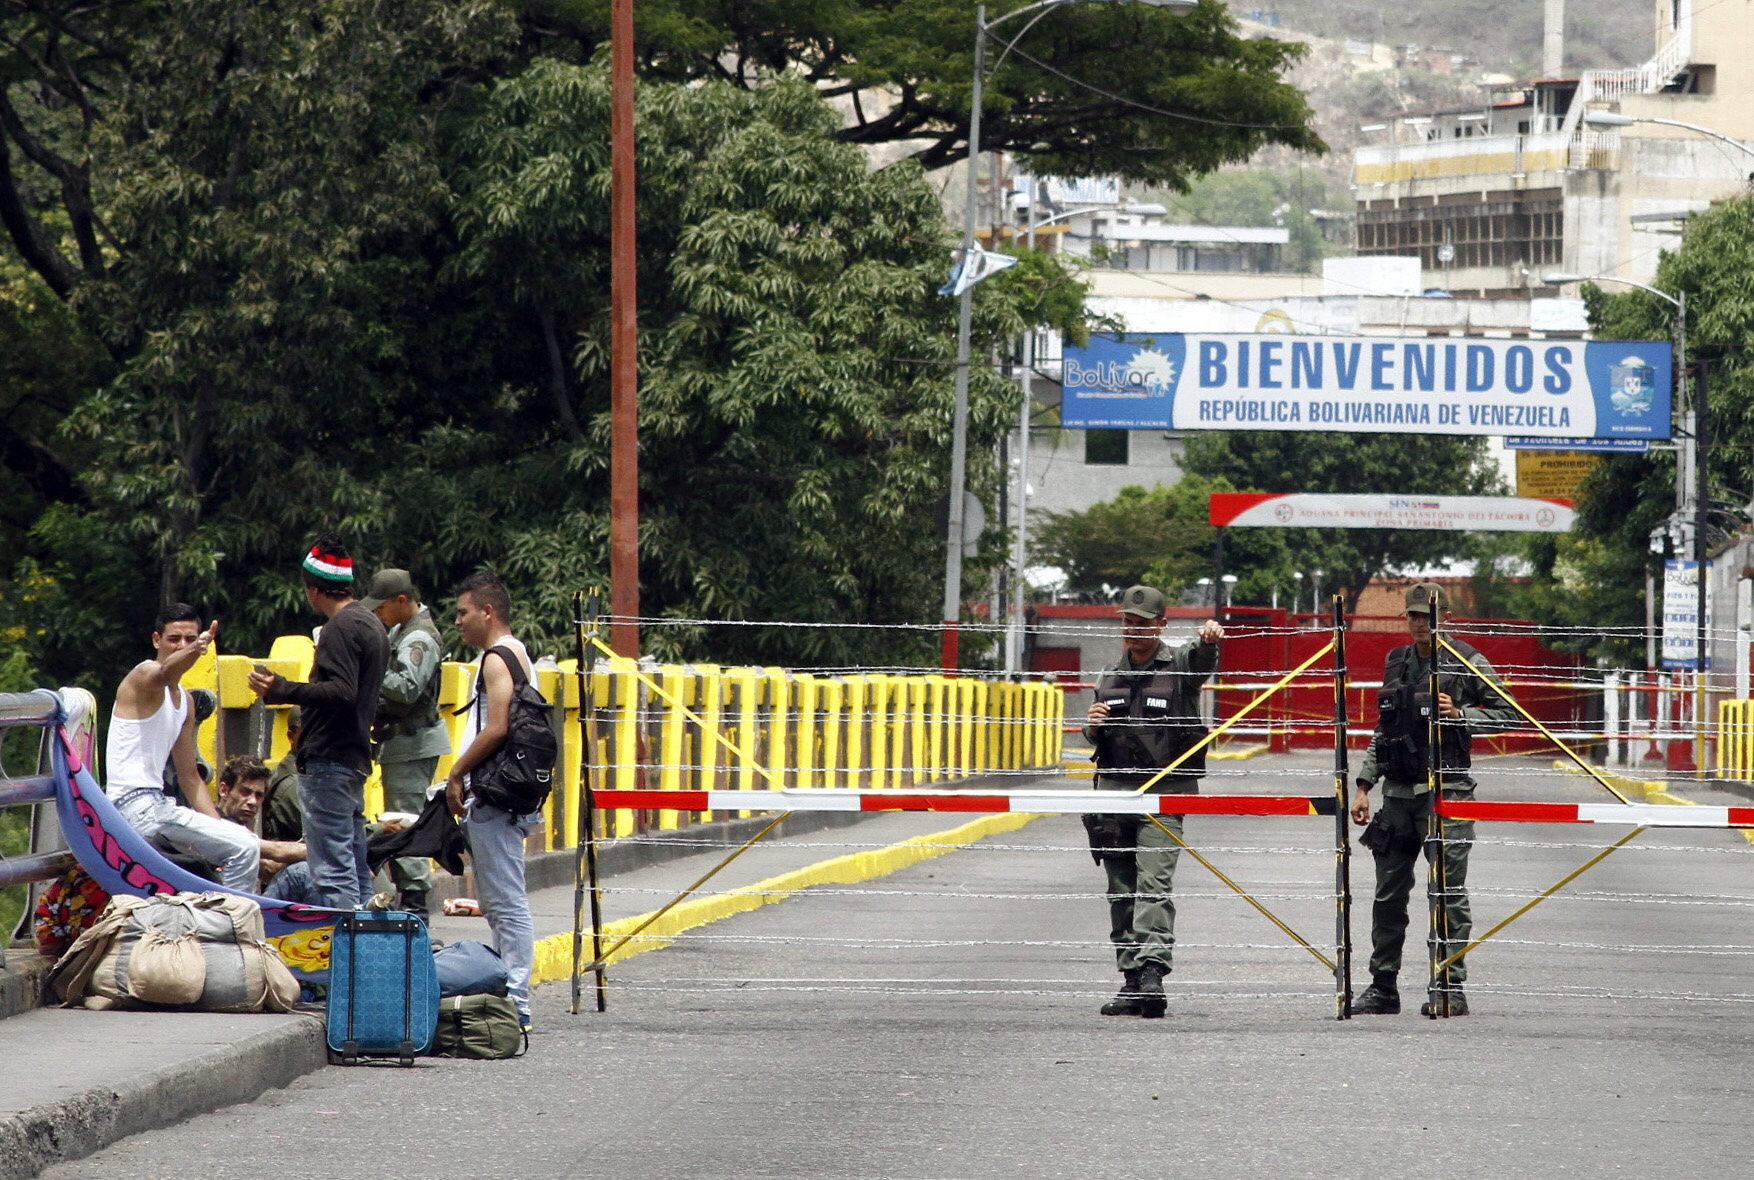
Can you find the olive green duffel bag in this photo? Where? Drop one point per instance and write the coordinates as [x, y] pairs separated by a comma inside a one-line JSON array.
[[478, 1026]]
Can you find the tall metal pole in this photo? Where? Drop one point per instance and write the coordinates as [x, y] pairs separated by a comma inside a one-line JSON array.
[[964, 346], [1020, 554], [624, 344], [1342, 841], [1702, 581]]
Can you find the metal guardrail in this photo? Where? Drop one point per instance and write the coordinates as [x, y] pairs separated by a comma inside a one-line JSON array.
[[40, 709]]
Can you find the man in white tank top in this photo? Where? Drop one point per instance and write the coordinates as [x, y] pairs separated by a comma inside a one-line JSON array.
[[153, 721], [496, 838]]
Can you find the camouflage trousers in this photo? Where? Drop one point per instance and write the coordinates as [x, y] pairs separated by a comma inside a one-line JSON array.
[[1394, 883], [1140, 908]]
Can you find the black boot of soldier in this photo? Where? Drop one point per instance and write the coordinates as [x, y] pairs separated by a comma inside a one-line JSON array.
[[1152, 1003], [1381, 998], [1126, 1001]]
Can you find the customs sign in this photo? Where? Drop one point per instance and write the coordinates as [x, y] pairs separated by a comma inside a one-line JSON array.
[[1321, 510]]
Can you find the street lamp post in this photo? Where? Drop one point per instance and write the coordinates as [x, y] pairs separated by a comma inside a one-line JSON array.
[[1690, 472], [965, 308], [1615, 119]]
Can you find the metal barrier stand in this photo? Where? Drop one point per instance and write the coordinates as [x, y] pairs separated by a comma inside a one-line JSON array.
[[1342, 840]]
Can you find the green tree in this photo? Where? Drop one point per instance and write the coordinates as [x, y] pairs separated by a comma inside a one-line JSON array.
[[1114, 89], [1258, 197], [1318, 461], [795, 362], [243, 200], [1594, 578], [1162, 537]]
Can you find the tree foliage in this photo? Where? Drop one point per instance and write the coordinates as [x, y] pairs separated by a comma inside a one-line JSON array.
[[306, 264], [796, 361], [1594, 578], [1162, 537], [1093, 89], [343, 278]]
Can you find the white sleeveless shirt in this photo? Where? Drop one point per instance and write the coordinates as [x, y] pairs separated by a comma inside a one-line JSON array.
[[478, 711], [136, 750]]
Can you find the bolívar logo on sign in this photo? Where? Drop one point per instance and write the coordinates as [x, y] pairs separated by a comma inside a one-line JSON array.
[[1422, 385]]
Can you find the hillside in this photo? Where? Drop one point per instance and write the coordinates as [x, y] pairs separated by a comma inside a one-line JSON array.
[[1504, 35]]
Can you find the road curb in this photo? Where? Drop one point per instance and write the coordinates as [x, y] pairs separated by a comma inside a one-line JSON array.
[[554, 953], [80, 1124]]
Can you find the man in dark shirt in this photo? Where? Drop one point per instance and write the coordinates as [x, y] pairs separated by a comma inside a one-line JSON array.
[[338, 706]]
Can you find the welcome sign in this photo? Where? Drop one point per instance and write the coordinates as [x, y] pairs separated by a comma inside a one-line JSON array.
[[1399, 385]]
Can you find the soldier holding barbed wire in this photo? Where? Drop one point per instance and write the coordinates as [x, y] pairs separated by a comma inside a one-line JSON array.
[[1146, 715], [1468, 700]]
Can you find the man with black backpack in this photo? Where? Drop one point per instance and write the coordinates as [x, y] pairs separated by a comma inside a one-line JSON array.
[[1467, 700], [499, 783]]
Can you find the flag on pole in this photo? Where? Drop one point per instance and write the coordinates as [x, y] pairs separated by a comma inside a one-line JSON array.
[[976, 264]]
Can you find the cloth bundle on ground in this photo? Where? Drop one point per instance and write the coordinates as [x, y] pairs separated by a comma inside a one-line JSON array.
[[476, 1017], [436, 833], [194, 951], [67, 909]]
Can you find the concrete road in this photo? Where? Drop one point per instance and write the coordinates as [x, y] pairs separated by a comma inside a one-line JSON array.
[[940, 1022]]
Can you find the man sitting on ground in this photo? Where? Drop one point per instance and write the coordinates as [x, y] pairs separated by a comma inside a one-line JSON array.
[[242, 786], [152, 721]]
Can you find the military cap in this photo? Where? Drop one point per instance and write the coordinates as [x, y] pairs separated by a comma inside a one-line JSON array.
[[1143, 602]]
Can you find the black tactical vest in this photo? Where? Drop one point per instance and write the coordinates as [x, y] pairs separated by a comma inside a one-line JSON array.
[[1154, 715], [1401, 707]]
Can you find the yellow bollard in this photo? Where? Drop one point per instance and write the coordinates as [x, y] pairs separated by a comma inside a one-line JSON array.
[[711, 710], [805, 691], [879, 693], [624, 737], [938, 707], [855, 720], [567, 789], [833, 696], [746, 697], [777, 752], [672, 728]]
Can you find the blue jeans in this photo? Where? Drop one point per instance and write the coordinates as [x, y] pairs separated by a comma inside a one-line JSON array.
[[293, 883], [232, 848], [496, 850], [333, 798]]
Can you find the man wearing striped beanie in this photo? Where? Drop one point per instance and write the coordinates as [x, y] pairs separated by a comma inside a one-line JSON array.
[[339, 704]]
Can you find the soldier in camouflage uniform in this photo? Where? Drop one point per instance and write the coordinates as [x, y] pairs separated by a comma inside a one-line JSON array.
[[1469, 701], [1146, 713], [282, 816], [409, 735]]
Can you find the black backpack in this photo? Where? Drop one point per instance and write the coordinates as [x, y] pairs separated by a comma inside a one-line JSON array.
[[518, 776]]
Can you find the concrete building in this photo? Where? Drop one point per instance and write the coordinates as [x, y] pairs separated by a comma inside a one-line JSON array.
[[1491, 197]]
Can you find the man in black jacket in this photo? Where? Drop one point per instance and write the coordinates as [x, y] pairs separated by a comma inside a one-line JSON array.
[[1146, 713], [338, 707]]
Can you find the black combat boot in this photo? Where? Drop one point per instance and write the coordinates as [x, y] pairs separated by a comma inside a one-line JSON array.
[[1152, 1003], [1433, 1005], [1381, 998], [1126, 1001]]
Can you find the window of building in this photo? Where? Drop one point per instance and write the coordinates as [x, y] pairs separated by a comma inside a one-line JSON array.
[[1105, 448]]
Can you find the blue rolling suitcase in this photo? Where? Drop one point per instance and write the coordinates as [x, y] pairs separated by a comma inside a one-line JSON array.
[[383, 987]]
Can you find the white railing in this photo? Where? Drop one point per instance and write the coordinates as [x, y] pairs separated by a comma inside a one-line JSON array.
[[1610, 86]]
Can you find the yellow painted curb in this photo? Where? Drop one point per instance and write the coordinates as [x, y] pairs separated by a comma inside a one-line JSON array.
[[1240, 752], [554, 953]]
